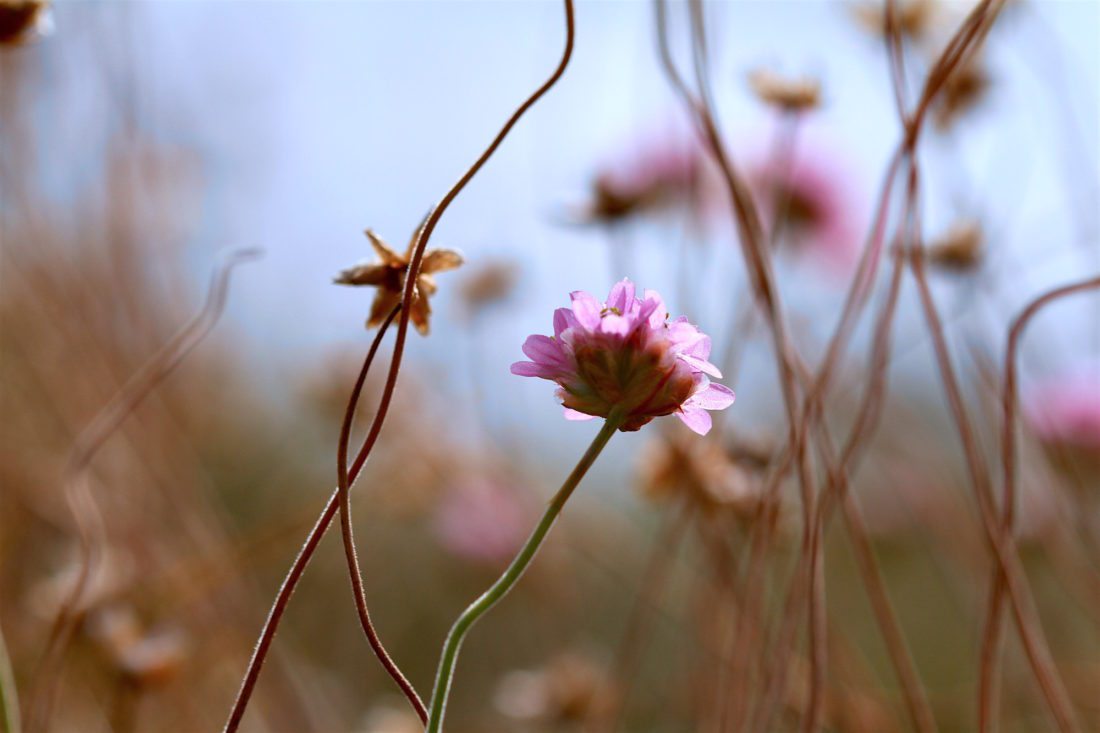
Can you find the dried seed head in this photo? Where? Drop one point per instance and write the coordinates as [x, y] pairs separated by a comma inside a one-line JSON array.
[[146, 660], [22, 21], [705, 474], [388, 275], [488, 284], [570, 688], [963, 90], [788, 94], [960, 248], [914, 18]]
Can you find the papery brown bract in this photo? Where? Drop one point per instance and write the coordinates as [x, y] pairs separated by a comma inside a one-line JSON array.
[[388, 276]]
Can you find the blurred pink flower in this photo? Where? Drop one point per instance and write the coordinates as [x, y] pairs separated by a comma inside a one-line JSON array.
[[663, 171], [1064, 411], [625, 354], [810, 202], [481, 520]]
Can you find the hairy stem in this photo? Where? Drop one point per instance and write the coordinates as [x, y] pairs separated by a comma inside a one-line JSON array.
[[305, 555], [445, 674], [355, 574]]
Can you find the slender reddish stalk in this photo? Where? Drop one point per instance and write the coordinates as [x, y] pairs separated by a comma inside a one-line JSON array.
[[1002, 545], [988, 696], [329, 512], [85, 510], [343, 487], [298, 567]]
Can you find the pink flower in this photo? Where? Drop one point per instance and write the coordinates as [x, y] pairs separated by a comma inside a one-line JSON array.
[[481, 520], [665, 171], [809, 200], [1065, 412], [625, 355]]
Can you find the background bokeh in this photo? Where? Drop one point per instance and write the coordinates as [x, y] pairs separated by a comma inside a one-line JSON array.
[[140, 140]]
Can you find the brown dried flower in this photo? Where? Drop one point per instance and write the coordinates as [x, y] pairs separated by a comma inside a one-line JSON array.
[[23, 20], [913, 17], [789, 94], [961, 92], [490, 283], [704, 473], [571, 688], [146, 659], [388, 276], [959, 248]]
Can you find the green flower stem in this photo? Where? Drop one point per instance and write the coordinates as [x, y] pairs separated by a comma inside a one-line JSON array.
[[445, 674]]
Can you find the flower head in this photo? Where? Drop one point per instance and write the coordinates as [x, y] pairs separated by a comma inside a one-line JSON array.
[[492, 283], [963, 90], [710, 476], [1064, 412], [22, 21], [388, 275], [913, 18], [481, 520], [787, 94], [960, 248], [658, 173], [811, 203], [625, 356]]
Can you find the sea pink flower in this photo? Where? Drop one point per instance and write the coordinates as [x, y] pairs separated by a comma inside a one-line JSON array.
[[626, 355], [810, 200], [1064, 412], [481, 520], [660, 172]]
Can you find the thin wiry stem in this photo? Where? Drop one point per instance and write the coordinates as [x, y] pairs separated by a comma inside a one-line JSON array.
[[758, 264], [343, 487], [988, 696], [85, 510], [1002, 545], [298, 567], [325, 520]]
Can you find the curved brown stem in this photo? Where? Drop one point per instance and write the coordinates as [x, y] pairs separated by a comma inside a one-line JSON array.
[[305, 555], [988, 696], [1002, 544], [298, 567], [86, 513], [355, 574]]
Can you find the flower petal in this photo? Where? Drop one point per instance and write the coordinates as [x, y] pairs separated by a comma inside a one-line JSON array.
[[543, 350], [701, 365], [615, 325], [621, 297], [574, 415], [695, 418], [439, 260], [419, 312], [659, 314], [586, 309], [563, 319], [531, 369], [387, 255], [713, 397], [384, 301], [362, 274]]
